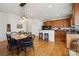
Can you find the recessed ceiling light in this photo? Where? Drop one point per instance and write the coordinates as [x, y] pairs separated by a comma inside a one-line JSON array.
[[50, 6]]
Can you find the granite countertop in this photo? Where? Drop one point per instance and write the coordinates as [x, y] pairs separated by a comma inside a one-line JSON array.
[[67, 30], [73, 32]]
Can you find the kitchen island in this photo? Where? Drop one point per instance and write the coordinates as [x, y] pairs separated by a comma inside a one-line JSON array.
[[50, 36], [71, 36]]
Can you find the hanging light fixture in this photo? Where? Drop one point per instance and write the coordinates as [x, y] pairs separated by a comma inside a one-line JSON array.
[[23, 17], [21, 20]]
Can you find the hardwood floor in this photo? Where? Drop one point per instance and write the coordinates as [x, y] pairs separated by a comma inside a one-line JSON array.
[[42, 48]]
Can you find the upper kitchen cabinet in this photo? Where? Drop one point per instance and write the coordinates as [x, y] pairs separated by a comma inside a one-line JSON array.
[[59, 23], [76, 14]]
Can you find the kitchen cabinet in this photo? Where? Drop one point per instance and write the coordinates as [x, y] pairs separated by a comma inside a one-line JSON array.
[[75, 15], [60, 36], [59, 23]]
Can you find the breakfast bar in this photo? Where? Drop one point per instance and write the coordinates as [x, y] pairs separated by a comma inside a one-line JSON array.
[[50, 35]]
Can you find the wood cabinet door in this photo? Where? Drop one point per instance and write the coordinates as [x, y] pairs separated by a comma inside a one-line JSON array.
[[60, 36], [76, 13]]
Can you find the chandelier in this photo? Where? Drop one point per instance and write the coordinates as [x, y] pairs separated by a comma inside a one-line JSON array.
[[23, 17]]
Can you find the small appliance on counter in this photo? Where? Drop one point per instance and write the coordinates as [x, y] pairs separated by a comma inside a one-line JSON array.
[[46, 28]]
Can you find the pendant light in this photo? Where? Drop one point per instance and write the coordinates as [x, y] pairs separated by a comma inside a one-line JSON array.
[[23, 17]]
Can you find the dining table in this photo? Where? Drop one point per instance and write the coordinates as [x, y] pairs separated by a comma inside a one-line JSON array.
[[18, 38]]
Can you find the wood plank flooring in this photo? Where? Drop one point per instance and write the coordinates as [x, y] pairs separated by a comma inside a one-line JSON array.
[[42, 48]]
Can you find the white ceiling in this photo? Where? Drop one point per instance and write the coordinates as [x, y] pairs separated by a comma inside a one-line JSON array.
[[39, 10], [9, 7]]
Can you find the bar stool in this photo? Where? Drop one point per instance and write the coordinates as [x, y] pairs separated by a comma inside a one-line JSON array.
[[46, 36], [40, 36]]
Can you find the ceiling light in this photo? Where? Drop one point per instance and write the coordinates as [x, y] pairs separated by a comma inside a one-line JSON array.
[[50, 6], [22, 21], [24, 18], [19, 21]]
